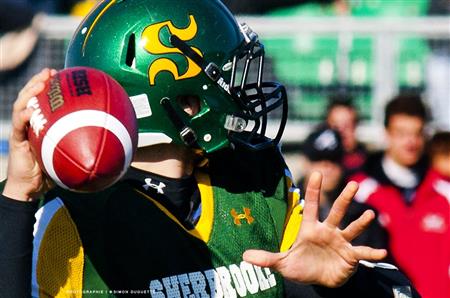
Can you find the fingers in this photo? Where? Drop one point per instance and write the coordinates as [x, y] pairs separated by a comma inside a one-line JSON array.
[[369, 254], [21, 114], [42, 76], [340, 205], [358, 226], [29, 90], [262, 258], [312, 196]]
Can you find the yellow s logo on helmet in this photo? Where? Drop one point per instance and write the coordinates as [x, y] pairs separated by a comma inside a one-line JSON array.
[[153, 45]]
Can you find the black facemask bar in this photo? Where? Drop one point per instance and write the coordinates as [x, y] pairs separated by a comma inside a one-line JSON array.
[[256, 99]]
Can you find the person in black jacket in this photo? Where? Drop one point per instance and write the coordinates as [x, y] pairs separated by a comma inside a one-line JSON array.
[[342, 116], [324, 152]]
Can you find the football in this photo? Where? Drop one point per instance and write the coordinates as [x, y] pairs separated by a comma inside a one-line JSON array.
[[83, 130]]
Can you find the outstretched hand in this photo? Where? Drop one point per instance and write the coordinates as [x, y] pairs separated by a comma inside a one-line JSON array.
[[25, 179], [322, 253]]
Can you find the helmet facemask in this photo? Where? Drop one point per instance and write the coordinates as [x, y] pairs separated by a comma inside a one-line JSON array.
[[256, 98]]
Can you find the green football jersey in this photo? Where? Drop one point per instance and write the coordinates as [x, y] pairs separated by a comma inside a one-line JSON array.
[[127, 241]]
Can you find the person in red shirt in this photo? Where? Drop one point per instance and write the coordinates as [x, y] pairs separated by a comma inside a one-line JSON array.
[[428, 235], [413, 208]]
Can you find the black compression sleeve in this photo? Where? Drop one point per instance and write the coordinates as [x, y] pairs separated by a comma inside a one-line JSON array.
[[16, 245]]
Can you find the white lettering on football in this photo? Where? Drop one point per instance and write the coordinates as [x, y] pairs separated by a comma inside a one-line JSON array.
[[37, 120]]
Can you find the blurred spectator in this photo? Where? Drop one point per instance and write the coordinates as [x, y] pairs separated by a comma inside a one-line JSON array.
[[20, 23], [19, 32], [426, 235], [14, 16], [390, 179], [324, 151], [439, 152], [343, 117]]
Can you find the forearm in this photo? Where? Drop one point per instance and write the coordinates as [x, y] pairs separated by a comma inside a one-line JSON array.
[[16, 246]]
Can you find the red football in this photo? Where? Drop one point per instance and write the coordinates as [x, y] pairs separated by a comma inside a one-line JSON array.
[[83, 129]]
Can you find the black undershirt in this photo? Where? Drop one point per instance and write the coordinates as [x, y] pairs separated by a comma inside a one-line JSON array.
[[170, 192]]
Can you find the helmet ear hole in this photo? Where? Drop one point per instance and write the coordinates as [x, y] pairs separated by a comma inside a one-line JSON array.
[[190, 104], [131, 52]]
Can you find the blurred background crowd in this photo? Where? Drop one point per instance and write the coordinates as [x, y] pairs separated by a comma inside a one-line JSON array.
[[369, 96]]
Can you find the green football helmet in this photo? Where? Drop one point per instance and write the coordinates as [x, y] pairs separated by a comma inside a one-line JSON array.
[[162, 51]]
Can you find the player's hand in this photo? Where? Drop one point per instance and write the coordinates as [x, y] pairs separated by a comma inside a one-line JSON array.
[[322, 253], [25, 180]]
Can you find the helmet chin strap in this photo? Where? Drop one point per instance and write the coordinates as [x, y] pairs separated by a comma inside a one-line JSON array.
[[187, 134]]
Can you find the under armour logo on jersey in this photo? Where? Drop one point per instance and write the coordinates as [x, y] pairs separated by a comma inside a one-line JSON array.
[[238, 217], [159, 187]]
